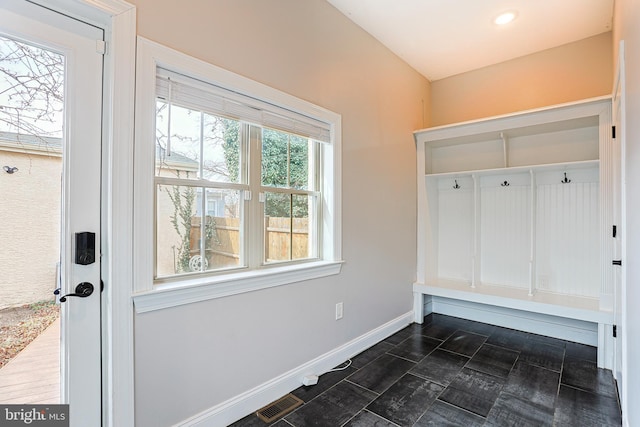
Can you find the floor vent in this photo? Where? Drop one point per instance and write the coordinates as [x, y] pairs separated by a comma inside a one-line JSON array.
[[279, 408]]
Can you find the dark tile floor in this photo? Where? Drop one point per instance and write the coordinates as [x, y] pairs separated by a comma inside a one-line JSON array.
[[455, 372]]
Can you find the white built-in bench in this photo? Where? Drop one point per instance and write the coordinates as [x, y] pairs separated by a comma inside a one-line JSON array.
[[566, 317]]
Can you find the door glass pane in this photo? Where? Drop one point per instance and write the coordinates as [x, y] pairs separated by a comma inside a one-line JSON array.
[[31, 119]]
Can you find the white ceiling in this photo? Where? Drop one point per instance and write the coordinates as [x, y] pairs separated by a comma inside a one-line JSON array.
[[441, 38]]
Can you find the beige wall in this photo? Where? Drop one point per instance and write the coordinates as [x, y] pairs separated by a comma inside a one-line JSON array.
[[30, 227], [567, 73], [193, 357], [626, 19]]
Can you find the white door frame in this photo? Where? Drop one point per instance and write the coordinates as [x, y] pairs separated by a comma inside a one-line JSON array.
[[118, 19], [621, 344]]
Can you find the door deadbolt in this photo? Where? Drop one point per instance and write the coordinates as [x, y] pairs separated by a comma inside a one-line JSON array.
[[85, 248]]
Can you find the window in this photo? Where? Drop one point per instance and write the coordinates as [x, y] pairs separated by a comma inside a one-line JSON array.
[[244, 183], [198, 165]]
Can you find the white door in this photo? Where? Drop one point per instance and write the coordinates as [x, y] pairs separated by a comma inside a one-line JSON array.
[[80, 46], [618, 108]]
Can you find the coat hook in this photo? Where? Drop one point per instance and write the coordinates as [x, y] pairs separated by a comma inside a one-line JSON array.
[[10, 170], [455, 187], [565, 180], [505, 184]]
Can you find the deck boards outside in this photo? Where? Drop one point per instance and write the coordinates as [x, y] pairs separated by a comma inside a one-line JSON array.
[[33, 376]]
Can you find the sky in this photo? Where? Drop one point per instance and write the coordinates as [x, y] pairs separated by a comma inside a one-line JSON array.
[[31, 89]]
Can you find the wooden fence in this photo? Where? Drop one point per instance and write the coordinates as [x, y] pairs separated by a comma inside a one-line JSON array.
[[283, 242], [223, 245]]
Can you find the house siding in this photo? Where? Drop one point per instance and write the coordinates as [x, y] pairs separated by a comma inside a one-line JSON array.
[[29, 226]]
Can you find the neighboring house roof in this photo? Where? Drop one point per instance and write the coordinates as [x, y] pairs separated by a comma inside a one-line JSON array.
[[174, 160], [49, 146], [30, 144]]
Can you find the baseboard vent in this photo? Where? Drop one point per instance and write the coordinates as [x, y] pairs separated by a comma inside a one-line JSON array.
[[279, 408]]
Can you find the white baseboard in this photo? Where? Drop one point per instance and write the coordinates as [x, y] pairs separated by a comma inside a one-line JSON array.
[[552, 326], [240, 406]]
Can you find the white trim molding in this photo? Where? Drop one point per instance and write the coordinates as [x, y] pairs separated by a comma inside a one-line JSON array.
[[118, 19], [187, 292], [118, 333], [150, 295]]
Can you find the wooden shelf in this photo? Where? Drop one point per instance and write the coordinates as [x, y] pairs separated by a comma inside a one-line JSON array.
[[586, 164]]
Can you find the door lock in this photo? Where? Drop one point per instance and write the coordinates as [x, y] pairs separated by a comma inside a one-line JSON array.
[[85, 248], [83, 290]]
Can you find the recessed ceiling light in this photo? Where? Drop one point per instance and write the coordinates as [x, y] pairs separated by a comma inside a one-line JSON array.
[[505, 18]]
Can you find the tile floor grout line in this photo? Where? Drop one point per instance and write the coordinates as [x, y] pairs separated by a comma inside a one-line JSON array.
[[433, 338], [404, 358], [589, 391], [559, 382], [370, 362], [364, 388], [371, 412]]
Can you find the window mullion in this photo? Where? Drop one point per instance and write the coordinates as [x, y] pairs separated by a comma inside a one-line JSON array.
[[203, 201], [163, 180], [255, 218], [314, 240], [289, 161], [290, 225]]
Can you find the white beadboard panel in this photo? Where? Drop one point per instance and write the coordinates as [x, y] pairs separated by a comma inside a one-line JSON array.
[[567, 239], [455, 230], [588, 173], [505, 241]]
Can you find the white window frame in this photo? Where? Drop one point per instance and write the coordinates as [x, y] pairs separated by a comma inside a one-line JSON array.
[[149, 296]]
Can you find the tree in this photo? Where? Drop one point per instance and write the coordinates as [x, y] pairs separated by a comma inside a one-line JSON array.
[[285, 163], [183, 198], [181, 220], [31, 89]]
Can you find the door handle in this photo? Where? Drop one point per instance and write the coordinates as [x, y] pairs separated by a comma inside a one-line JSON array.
[[83, 290]]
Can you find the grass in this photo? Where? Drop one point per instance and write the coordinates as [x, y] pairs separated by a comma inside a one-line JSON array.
[[21, 325]]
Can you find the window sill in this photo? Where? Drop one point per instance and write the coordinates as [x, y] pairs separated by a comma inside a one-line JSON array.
[[202, 289]]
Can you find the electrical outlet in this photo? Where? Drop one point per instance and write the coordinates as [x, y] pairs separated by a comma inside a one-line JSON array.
[[339, 311]]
